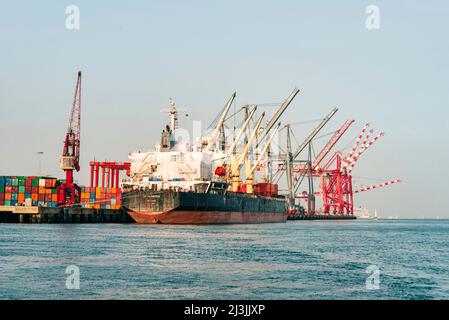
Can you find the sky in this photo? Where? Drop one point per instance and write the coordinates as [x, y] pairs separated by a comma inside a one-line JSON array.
[[135, 55]]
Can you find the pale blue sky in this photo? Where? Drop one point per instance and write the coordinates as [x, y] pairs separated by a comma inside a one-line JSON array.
[[135, 55]]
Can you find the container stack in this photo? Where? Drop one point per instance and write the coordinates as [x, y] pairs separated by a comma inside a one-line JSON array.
[[101, 198], [15, 190]]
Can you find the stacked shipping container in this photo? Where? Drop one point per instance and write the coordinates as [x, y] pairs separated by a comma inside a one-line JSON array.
[[15, 190], [101, 198]]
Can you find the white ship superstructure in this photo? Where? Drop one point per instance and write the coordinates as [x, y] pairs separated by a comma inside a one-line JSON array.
[[173, 165]]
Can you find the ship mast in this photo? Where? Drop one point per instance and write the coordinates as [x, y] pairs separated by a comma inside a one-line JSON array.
[[171, 128]]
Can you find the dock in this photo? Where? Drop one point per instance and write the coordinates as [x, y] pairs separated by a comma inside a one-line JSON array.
[[35, 214], [320, 217]]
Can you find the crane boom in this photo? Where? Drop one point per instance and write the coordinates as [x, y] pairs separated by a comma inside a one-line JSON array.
[[314, 132], [237, 138], [357, 141], [238, 164], [331, 143], [387, 183], [264, 150], [220, 122], [284, 105], [363, 149]]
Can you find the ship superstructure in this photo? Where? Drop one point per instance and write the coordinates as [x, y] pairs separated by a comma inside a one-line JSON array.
[[172, 165]]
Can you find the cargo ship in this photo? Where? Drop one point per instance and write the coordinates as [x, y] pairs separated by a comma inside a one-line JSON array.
[[200, 183]]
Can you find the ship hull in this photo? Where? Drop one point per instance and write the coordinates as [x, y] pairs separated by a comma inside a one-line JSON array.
[[206, 217], [197, 208]]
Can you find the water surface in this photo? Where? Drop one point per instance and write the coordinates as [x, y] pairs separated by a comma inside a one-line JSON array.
[[296, 260]]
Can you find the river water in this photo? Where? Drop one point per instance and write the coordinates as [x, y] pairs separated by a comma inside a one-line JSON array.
[[383, 259]]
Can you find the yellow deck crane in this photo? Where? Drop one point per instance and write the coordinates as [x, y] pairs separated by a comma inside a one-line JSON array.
[[250, 172], [231, 151], [237, 165], [217, 130]]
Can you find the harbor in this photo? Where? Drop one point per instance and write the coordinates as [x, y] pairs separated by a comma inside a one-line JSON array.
[[22, 214], [227, 159], [253, 173], [36, 214]]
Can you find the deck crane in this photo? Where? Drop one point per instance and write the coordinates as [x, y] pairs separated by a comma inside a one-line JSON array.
[[218, 127], [250, 172], [220, 170], [236, 165], [284, 105], [68, 192]]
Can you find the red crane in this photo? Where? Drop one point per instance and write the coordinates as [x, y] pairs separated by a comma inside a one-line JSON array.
[[331, 143], [68, 192], [386, 183]]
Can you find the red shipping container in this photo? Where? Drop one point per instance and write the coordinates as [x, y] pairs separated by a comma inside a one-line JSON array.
[[8, 189], [2, 196], [14, 189], [41, 197], [28, 190], [34, 189]]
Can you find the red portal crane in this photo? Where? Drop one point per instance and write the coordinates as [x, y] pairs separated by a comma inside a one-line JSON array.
[[110, 173], [68, 192]]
